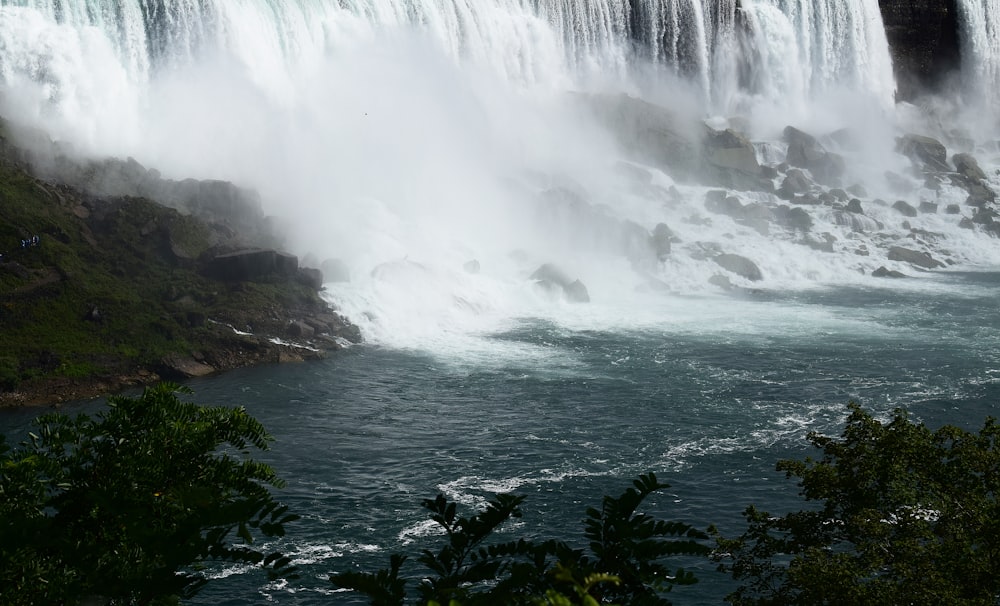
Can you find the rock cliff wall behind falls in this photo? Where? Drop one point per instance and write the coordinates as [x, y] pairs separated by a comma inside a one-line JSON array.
[[924, 41]]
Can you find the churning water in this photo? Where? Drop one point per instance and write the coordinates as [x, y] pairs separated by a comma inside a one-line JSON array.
[[415, 139]]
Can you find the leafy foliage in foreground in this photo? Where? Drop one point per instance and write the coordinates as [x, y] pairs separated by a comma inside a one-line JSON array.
[[122, 505], [907, 516], [625, 563]]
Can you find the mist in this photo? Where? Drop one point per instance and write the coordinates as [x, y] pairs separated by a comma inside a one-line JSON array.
[[409, 147]]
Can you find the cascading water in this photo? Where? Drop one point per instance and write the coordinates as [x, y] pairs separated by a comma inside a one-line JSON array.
[[440, 132], [808, 49], [980, 34], [445, 151]]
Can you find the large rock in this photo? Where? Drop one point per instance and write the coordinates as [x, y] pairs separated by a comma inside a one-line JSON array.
[[914, 257], [729, 159], [904, 208], [740, 266], [926, 152], [661, 241], [252, 264], [806, 152], [650, 132], [924, 42], [967, 166], [553, 279]]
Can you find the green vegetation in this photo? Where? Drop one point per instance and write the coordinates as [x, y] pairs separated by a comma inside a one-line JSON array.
[[625, 563], [127, 506], [113, 285], [124, 506], [904, 515]]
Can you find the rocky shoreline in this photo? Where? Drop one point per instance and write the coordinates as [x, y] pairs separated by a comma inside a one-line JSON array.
[[113, 278]]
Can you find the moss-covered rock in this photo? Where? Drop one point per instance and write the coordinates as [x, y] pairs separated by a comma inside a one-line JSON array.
[[100, 292]]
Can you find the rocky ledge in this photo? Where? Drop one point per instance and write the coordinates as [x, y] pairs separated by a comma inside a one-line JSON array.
[[101, 290]]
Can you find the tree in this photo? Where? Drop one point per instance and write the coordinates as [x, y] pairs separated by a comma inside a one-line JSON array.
[[625, 563], [125, 507], [905, 515]]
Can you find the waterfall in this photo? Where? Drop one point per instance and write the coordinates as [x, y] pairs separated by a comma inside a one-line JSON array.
[[635, 144], [980, 35], [808, 49], [526, 40]]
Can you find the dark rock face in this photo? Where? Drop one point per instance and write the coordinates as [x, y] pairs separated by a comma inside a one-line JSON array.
[[252, 264], [914, 257], [924, 42], [553, 279], [805, 151], [740, 266]]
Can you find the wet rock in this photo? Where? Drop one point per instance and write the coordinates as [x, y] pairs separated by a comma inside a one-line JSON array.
[[854, 206], [729, 159], [661, 241], [299, 329], [806, 152], [795, 182], [953, 209], [884, 272], [740, 266], [251, 264], [904, 208], [793, 217], [721, 281], [576, 292], [927, 152], [967, 166], [553, 279], [822, 243], [979, 194], [928, 208], [310, 277], [914, 257], [180, 367], [718, 202]]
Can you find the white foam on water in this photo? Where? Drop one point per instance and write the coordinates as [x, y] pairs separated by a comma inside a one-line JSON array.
[[408, 138]]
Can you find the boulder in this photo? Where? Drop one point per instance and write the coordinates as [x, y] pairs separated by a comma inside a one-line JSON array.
[[299, 329], [311, 277], [716, 201], [926, 152], [979, 194], [928, 208], [661, 241], [953, 209], [967, 166], [730, 159], [796, 218], [576, 292], [739, 265], [822, 243], [806, 152], [884, 272], [182, 367], [914, 257], [553, 279], [795, 182], [854, 206], [904, 208], [243, 265]]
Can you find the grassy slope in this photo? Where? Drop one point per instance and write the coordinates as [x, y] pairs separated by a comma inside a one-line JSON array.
[[131, 260]]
